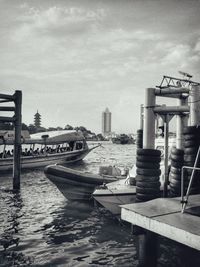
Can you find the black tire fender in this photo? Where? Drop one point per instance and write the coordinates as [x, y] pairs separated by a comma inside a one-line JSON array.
[[142, 178], [148, 172], [142, 158]]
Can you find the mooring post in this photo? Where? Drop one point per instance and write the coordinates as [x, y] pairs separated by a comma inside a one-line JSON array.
[[195, 105], [166, 152], [149, 119], [17, 142], [148, 249], [181, 122], [147, 245]]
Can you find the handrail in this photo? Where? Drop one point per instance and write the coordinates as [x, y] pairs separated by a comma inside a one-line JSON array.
[[184, 200]]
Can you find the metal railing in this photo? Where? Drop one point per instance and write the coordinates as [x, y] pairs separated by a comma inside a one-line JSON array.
[[184, 199]]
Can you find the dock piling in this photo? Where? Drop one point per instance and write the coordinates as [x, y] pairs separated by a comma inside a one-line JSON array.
[[17, 143], [147, 248], [17, 121]]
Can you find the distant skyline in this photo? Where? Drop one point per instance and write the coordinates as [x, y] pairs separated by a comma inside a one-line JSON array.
[[73, 58]]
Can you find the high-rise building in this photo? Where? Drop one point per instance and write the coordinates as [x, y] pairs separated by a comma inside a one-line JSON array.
[[106, 122], [37, 120]]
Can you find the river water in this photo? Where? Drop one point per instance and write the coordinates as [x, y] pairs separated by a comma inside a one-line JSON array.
[[44, 229]]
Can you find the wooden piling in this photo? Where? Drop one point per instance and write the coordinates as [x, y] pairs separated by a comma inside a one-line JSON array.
[[148, 249], [17, 143]]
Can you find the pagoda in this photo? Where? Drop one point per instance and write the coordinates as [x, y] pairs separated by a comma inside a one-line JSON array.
[[37, 120]]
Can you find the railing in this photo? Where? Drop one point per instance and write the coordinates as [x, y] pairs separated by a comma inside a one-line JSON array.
[[184, 199]]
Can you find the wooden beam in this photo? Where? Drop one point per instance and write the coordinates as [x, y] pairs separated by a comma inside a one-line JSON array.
[[8, 97], [7, 119], [7, 108]]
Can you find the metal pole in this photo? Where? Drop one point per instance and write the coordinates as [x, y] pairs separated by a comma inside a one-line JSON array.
[[17, 143], [149, 119], [141, 116], [191, 180], [166, 146]]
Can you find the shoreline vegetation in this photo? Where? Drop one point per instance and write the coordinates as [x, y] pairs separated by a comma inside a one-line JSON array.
[[31, 128]]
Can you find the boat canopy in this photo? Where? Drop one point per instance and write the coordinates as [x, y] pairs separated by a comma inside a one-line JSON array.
[[48, 138]]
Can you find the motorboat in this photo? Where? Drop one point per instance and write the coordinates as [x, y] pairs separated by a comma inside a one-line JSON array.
[[42, 149], [117, 193], [123, 139], [79, 185], [114, 194]]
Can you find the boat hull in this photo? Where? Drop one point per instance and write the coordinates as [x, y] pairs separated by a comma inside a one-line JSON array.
[[75, 185], [38, 161], [114, 195]]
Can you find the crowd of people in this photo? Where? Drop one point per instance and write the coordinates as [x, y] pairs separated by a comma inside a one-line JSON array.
[[44, 150]]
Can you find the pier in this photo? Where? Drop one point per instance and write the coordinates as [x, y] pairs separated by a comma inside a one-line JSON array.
[[175, 216], [163, 216]]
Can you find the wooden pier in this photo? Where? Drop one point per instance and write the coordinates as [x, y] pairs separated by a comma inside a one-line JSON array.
[[163, 216]]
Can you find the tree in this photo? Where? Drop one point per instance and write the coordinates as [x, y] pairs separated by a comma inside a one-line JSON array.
[[6, 126], [32, 129], [100, 137], [68, 127], [25, 127]]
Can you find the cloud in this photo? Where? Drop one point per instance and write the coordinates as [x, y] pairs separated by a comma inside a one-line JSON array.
[[56, 20]]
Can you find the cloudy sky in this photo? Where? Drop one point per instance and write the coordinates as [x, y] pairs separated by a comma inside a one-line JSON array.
[[72, 59]]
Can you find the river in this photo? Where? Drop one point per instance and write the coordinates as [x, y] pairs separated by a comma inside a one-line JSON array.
[[44, 229]]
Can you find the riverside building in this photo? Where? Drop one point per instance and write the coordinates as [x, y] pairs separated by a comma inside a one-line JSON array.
[[106, 122]]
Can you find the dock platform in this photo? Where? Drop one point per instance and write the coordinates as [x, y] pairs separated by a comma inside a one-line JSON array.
[[163, 216]]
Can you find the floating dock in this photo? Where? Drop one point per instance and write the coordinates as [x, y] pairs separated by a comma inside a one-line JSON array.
[[163, 216]]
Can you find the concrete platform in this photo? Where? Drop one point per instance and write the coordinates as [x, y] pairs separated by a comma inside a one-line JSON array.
[[163, 216]]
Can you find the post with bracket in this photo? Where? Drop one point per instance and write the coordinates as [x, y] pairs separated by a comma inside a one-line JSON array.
[[17, 142], [166, 119]]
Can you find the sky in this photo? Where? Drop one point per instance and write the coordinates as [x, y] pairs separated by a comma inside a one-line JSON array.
[[72, 59]]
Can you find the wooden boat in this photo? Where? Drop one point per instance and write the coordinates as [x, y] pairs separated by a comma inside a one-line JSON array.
[[74, 184], [42, 149]]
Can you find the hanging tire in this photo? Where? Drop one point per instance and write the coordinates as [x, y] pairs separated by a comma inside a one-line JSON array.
[[147, 191], [175, 189], [189, 172], [148, 159], [175, 170], [148, 172], [176, 151], [176, 157], [190, 130], [141, 178], [191, 150], [175, 192], [147, 165], [190, 137], [175, 183], [190, 143], [176, 164], [144, 197], [175, 176], [148, 184], [148, 152], [190, 158]]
